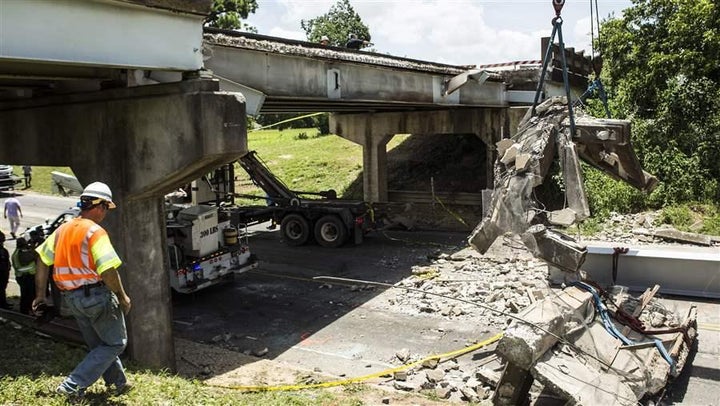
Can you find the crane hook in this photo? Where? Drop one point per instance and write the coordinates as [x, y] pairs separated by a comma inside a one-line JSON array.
[[558, 5]]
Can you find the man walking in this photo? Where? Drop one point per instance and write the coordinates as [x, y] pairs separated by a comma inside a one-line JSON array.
[[13, 212], [86, 272]]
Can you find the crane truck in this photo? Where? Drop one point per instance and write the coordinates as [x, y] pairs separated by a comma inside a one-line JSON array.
[[330, 221]]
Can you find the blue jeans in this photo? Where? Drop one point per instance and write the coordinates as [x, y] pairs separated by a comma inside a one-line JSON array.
[[102, 325]]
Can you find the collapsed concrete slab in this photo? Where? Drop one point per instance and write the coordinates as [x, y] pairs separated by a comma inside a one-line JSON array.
[[572, 345], [523, 163]]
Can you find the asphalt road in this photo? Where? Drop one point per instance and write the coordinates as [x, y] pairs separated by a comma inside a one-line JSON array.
[[341, 329], [280, 312]]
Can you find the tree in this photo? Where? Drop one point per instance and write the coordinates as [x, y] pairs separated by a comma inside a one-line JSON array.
[[337, 24], [662, 72], [227, 14]]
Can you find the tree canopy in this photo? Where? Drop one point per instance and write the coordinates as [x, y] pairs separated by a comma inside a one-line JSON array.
[[661, 70], [228, 14], [337, 24]]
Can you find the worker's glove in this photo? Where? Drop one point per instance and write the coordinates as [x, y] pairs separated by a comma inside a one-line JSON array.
[[44, 313]]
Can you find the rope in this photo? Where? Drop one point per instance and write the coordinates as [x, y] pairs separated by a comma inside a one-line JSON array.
[[285, 121], [447, 356], [615, 258]]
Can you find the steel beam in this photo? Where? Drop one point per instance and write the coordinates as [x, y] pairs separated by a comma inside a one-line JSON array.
[[679, 270], [99, 33]]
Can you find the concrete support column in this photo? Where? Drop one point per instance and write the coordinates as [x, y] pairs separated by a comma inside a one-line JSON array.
[[146, 279], [143, 142], [374, 130], [375, 187], [492, 129], [368, 130]]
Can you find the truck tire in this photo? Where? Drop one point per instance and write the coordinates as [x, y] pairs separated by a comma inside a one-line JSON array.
[[295, 229], [330, 231]]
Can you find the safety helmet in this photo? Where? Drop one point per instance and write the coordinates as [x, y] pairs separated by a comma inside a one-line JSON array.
[[98, 190], [324, 38]]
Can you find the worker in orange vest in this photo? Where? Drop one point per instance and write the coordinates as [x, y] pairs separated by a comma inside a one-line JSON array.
[[86, 272]]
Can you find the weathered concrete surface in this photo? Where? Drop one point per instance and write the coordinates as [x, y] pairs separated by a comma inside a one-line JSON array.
[[300, 76], [374, 130], [142, 142], [523, 344]]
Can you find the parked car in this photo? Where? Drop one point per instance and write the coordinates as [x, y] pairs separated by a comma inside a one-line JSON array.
[[8, 179]]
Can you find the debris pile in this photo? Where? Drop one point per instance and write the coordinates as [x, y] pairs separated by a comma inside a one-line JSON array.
[[564, 345], [583, 344]]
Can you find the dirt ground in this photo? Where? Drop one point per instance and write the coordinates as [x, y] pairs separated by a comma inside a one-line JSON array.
[[195, 360]]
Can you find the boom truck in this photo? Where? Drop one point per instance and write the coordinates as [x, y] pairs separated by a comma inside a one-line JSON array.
[[330, 221], [204, 247]]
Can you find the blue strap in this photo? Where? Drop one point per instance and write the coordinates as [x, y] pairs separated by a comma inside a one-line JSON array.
[[610, 326]]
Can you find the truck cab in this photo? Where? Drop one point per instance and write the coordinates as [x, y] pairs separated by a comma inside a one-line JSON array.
[[8, 179]]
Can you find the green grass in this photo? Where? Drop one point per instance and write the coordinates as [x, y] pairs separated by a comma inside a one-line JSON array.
[[693, 217], [31, 367], [309, 164], [306, 161], [41, 179]]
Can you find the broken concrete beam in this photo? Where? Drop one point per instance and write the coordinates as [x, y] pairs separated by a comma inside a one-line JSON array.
[[555, 248], [683, 236], [565, 217], [522, 162], [503, 146], [572, 176], [508, 213], [513, 387], [567, 376], [606, 146], [510, 154], [523, 344]]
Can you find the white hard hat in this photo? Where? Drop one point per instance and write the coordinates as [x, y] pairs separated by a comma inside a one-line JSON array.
[[324, 38], [99, 190]]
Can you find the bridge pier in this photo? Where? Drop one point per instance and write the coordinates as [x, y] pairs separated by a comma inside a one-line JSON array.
[[374, 130], [142, 142]]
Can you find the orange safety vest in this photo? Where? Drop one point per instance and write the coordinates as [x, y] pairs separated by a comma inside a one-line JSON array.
[[74, 263]]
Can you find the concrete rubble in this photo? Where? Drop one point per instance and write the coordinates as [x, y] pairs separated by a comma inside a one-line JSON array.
[[529, 360], [569, 342], [573, 342]]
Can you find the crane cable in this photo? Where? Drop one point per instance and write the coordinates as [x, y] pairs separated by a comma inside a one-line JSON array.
[[596, 59], [557, 29]]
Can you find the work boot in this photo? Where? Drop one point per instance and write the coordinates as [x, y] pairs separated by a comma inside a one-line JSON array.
[[70, 390], [121, 390]]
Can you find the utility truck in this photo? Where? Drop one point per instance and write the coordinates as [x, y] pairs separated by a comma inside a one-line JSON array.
[[202, 248]]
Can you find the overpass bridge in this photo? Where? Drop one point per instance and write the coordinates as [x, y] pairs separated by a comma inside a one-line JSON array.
[[374, 96], [119, 91]]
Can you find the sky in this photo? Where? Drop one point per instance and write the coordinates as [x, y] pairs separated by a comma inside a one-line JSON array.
[[458, 32]]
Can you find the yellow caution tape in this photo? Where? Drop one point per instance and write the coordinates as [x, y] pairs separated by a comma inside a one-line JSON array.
[[457, 216], [390, 371]]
